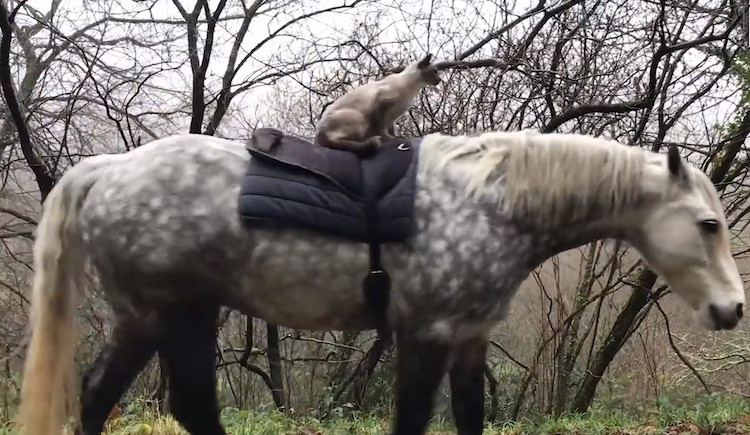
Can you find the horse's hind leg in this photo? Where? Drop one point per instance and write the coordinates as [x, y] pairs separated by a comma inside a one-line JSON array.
[[188, 347], [114, 369], [421, 367], [467, 386]]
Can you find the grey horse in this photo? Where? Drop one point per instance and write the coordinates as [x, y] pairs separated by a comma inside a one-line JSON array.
[[161, 227]]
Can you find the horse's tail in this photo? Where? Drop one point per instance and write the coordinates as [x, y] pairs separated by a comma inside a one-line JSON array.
[[48, 393]]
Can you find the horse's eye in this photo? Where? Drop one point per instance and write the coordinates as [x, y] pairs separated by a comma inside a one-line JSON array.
[[710, 226]]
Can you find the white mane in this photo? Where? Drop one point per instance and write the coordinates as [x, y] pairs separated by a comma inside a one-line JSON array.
[[549, 179]]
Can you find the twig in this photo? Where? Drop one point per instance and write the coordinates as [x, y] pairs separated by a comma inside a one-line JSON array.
[[502, 349], [677, 351], [364, 368]]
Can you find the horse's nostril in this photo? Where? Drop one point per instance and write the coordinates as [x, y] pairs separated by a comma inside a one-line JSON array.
[[726, 318], [714, 311]]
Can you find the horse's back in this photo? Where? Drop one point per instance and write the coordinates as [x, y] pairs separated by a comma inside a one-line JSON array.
[[167, 202]]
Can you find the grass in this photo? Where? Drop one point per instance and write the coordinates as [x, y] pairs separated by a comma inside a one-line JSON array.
[[714, 415]]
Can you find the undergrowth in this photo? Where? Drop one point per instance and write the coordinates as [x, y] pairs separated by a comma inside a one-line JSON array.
[[712, 415]]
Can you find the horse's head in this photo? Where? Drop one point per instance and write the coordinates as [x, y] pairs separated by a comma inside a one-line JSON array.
[[683, 236]]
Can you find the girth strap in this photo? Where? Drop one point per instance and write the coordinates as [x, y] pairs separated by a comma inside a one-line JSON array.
[[377, 283]]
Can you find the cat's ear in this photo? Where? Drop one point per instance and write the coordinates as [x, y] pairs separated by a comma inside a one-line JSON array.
[[425, 62]]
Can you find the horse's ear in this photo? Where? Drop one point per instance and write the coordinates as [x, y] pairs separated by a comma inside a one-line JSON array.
[[674, 161], [677, 169], [425, 62]]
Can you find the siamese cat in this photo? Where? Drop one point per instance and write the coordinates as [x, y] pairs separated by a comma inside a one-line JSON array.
[[364, 117]]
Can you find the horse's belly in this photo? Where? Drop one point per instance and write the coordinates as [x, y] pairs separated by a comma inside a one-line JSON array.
[[306, 282]]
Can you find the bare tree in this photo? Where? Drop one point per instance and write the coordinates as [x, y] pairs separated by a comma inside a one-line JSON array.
[[109, 76]]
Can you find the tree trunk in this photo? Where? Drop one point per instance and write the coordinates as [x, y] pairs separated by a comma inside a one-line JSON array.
[[617, 337], [274, 364], [45, 180], [569, 346]]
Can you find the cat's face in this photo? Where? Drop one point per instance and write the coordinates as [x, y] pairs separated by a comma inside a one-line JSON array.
[[430, 75], [428, 71]]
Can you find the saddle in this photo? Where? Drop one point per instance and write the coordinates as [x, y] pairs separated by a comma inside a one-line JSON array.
[[291, 182], [362, 178]]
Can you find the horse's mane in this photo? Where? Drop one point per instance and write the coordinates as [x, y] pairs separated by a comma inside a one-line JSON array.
[[550, 179]]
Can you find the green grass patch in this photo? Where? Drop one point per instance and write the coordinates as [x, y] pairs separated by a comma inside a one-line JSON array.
[[712, 415]]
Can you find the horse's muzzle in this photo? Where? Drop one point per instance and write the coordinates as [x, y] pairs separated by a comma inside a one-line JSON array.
[[727, 317]]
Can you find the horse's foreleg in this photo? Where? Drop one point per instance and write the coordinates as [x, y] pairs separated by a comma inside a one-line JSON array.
[[188, 347], [421, 367], [114, 369], [467, 386]]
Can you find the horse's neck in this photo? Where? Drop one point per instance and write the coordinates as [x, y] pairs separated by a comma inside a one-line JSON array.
[[545, 239], [605, 222], [559, 238], [552, 241]]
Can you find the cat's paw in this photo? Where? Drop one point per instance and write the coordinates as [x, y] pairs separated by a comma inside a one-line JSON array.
[[371, 146]]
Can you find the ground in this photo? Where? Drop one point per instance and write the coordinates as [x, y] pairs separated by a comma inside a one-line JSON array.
[[712, 416]]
